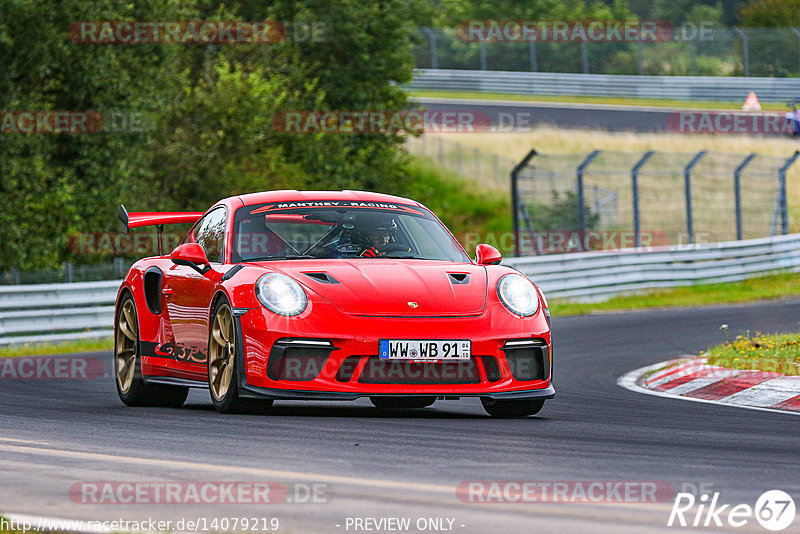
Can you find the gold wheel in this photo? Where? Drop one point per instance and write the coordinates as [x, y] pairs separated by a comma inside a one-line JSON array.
[[127, 337], [221, 353]]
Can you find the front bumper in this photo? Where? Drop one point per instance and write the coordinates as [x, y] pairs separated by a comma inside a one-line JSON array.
[[491, 373]]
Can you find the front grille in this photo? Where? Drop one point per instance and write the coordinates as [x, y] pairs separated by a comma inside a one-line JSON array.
[[528, 362], [491, 368], [378, 371], [348, 367], [296, 363]]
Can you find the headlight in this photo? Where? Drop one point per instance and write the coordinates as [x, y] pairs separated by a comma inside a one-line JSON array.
[[281, 294], [518, 294]]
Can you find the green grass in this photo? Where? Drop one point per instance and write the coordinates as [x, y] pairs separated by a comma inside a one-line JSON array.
[[651, 102], [460, 203], [67, 347], [5, 527], [779, 353], [766, 287]]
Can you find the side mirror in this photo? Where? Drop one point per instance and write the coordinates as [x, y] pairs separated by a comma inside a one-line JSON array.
[[487, 255], [191, 255]]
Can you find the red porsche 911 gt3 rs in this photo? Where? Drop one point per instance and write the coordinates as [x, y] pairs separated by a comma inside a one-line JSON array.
[[325, 295]]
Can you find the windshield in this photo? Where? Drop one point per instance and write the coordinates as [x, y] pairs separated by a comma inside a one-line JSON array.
[[340, 229]]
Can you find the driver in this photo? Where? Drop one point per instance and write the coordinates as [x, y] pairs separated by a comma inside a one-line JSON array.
[[378, 235]]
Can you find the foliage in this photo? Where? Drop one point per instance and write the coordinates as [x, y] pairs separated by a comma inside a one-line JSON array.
[[209, 110], [778, 353], [562, 213], [770, 13]]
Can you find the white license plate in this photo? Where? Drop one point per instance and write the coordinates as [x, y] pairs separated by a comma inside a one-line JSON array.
[[423, 349]]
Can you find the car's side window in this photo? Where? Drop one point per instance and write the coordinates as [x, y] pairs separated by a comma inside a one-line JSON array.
[[210, 234]]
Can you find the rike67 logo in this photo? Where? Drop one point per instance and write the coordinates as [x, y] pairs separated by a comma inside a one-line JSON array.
[[774, 510]]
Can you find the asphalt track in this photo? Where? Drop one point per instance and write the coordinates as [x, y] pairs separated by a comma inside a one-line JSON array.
[[56, 433], [505, 114]]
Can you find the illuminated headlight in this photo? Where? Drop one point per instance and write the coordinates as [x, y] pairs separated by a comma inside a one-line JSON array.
[[518, 294], [280, 294]]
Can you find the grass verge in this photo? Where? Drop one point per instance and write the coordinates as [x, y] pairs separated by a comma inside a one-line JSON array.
[[779, 353], [67, 347], [8, 527], [627, 102], [766, 287]]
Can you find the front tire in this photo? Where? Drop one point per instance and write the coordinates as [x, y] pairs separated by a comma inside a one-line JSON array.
[[512, 408], [131, 387], [223, 347], [400, 403]]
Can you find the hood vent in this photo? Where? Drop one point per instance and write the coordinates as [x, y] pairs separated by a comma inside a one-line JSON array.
[[325, 278], [459, 278]]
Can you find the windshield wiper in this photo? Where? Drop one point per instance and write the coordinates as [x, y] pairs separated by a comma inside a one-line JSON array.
[[282, 257]]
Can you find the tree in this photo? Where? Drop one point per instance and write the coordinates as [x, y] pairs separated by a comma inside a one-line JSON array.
[[770, 13]]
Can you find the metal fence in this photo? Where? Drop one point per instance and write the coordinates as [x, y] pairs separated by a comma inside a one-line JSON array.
[[660, 198], [596, 276], [771, 52], [67, 273], [490, 170], [708, 88], [57, 312]]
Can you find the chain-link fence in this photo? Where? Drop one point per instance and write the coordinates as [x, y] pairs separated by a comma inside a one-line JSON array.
[[490, 170], [658, 198], [68, 272], [770, 52]]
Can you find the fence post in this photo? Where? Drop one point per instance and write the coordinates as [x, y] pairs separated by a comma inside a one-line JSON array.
[[482, 47], [67, 271], [515, 203], [745, 50], [15, 277], [687, 177], [737, 191], [797, 33], [585, 56], [432, 42], [119, 267], [639, 57], [635, 190], [579, 175], [784, 202], [534, 59]]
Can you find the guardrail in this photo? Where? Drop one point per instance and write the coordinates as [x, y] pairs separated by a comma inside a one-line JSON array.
[[57, 312], [715, 88], [598, 275]]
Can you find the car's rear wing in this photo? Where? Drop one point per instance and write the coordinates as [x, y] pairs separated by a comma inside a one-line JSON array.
[[139, 219]]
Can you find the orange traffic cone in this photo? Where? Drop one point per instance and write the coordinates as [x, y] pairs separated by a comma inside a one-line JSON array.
[[752, 103]]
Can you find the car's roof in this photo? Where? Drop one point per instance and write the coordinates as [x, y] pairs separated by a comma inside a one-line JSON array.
[[293, 195]]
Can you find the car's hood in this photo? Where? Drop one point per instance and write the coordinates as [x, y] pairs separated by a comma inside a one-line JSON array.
[[394, 287]]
